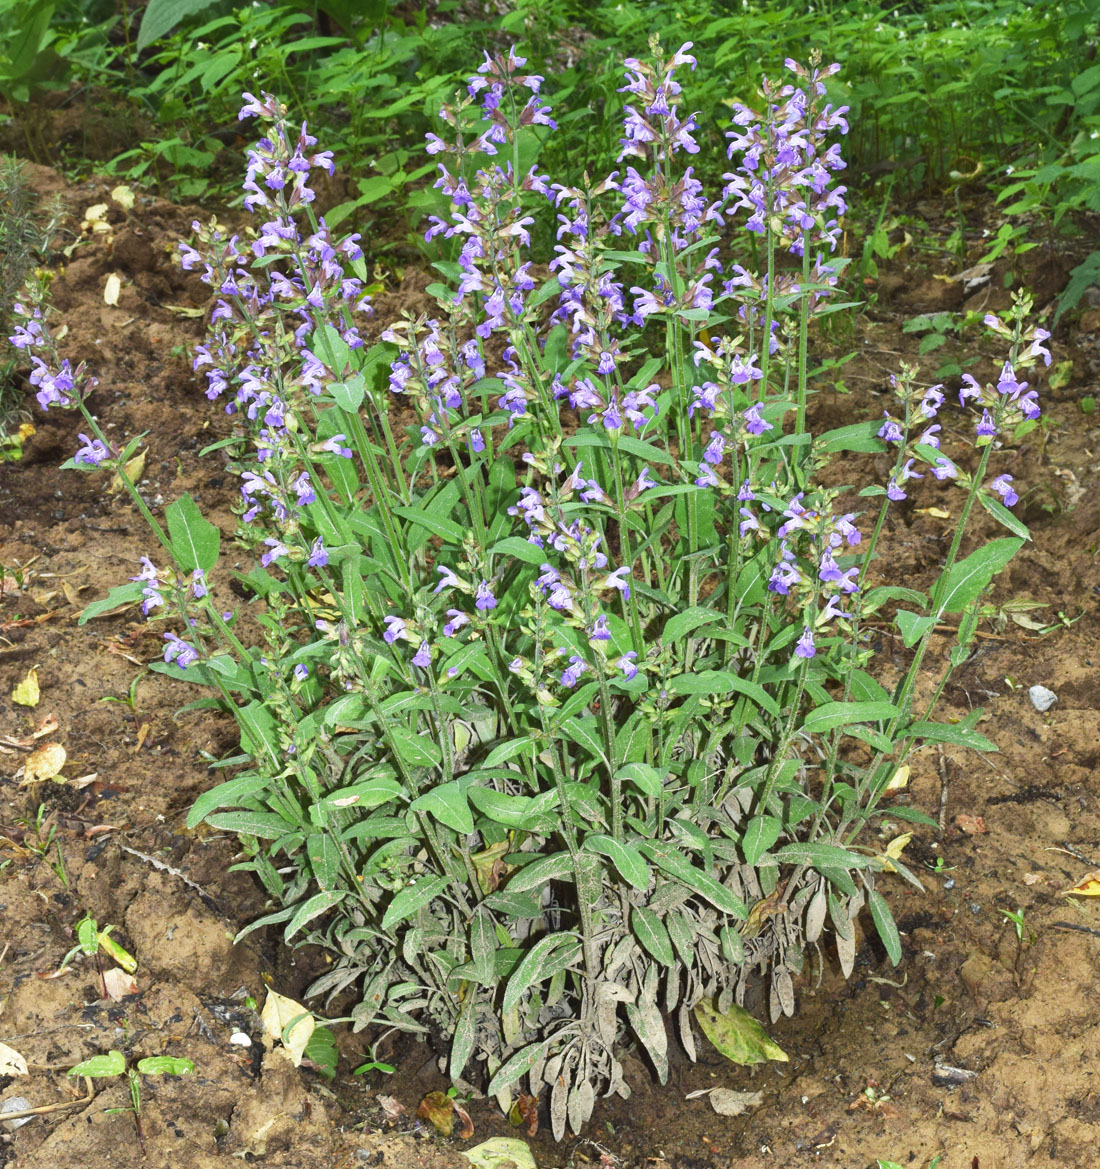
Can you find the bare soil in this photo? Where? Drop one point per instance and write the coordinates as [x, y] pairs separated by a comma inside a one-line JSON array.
[[866, 1076]]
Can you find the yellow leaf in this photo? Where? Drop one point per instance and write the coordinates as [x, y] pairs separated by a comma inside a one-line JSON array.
[[736, 1034], [278, 1013], [112, 288], [900, 779], [119, 984], [894, 850], [26, 693], [44, 763], [937, 513], [124, 197], [1088, 885], [11, 1062], [134, 469]]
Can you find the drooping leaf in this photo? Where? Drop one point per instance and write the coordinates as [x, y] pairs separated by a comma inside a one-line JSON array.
[[737, 1034]]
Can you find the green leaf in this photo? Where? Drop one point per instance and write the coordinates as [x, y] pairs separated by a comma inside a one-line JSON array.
[[438, 525], [161, 16], [519, 549], [411, 900], [646, 779], [549, 954], [677, 865], [737, 1035], [265, 825], [722, 682], [884, 923], [510, 810], [415, 750], [349, 395], [933, 732], [968, 579], [447, 803], [509, 750], [548, 868], [319, 903], [462, 1045], [762, 832], [195, 541], [126, 594], [912, 626], [583, 731], [861, 437], [111, 1064], [830, 715], [650, 931], [687, 622], [818, 855], [165, 1065], [501, 1152], [324, 859], [627, 859], [518, 1065], [1001, 513]]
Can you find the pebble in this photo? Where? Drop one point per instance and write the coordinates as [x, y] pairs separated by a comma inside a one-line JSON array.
[[15, 1104], [240, 1039], [1042, 698]]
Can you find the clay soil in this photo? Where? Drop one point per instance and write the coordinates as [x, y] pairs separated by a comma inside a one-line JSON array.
[[1017, 1017]]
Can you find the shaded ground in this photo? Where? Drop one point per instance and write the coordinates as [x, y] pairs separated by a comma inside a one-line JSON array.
[[862, 1082]]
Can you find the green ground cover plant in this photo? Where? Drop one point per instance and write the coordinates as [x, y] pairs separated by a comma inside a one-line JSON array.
[[561, 726]]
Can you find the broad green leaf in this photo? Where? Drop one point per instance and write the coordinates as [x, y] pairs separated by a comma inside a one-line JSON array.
[[549, 954], [688, 621], [412, 899], [161, 16], [585, 733], [932, 732], [627, 860], [912, 626], [830, 715], [678, 866], [535, 875], [760, 834], [435, 523], [511, 811], [324, 859], [349, 395], [365, 796], [509, 750], [165, 1065], [517, 1065], [319, 903], [462, 1045], [126, 594], [884, 923], [737, 1035], [650, 931], [195, 540], [447, 803], [645, 778], [722, 682], [265, 825], [415, 750], [1004, 516], [816, 854], [968, 579], [519, 549], [113, 1063]]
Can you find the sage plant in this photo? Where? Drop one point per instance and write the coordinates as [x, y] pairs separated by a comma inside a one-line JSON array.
[[564, 720]]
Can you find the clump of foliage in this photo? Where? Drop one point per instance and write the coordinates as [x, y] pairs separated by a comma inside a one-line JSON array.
[[25, 234], [563, 725]]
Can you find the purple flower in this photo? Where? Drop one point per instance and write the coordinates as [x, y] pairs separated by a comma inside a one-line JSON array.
[[1037, 349], [715, 448], [423, 656], [599, 630], [970, 389], [749, 523], [483, 598], [276, 550], [626, 664], [318, 557], [395, 628], [619, 579], [151, 592], [198, 584], [890, 430], [448, 581], [92, 453], [572, 672], [805, 647], [1003, 486], [179, 651], [457, 620], [945, 469], [301, 671], [754, 422], [986, 427], [303, 489], [332, 445]]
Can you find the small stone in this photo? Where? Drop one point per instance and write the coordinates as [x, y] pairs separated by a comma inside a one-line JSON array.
[[240, 1039], [14, 1104], [1042, 698]]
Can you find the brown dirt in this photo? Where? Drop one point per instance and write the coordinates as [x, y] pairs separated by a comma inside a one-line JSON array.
[[862, 1082]]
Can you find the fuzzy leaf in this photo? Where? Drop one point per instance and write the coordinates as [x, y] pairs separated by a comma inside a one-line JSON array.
[[736, 1034]]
